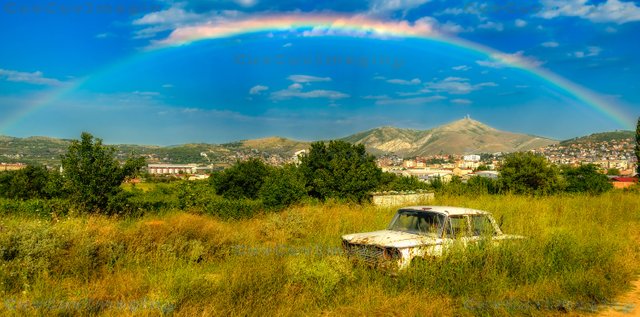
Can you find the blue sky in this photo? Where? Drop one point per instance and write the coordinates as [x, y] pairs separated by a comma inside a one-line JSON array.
[[73, 66]]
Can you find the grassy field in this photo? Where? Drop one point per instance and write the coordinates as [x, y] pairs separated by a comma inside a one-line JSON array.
[[582, 251]]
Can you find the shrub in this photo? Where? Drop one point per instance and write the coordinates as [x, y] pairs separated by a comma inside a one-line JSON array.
[[93, 176], [340, 170], [283, 187], [528, 173], [585, 179], [393, 182], [242, 180]]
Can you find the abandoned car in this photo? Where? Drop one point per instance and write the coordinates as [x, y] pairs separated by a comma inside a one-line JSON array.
[[421, 232]]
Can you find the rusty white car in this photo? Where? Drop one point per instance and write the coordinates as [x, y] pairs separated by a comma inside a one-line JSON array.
[[422, 232]]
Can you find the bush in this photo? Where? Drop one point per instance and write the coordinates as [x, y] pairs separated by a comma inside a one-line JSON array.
[[528, 173], [93, 176], [586, 179], [30, 182], [233, 208], [393, 182], [283, 187], [340, 170], [242, 180]]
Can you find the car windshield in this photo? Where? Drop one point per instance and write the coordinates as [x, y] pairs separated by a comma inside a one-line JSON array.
[[418, 222]]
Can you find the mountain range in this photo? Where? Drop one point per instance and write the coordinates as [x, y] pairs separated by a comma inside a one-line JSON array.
[[463, 136]]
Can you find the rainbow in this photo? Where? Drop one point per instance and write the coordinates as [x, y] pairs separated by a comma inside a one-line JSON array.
[[354, 26]]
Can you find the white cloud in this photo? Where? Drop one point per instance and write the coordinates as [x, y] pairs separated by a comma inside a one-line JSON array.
[[105, 35], [307, 78], [223, 23], [490, 25], [613, 11], [35, 78], [455, 86], [550, 44], [461, 67], [257, 89], [376, 97], [176, 17], [297, 93], [167, 86], [146, 94], [520, 23], [417, 101], [295, 86], [386, 6], [470, 8], [415, 81], [287, 45], [246, 3], [447, 27], [589, 52], [503, 60], [462, 101]]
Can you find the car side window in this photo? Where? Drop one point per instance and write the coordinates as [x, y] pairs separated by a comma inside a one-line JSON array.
[[481, 225], [458, 227]]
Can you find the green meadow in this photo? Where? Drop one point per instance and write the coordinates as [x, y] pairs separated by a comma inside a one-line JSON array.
[[581, 252]]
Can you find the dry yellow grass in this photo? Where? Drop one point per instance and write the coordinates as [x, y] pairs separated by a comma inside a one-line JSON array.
[[582, 253]]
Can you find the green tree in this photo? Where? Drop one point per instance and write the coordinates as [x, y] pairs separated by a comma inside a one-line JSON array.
[[482, 167], [30, 182], [242, 180], [585, 179], [613, 172], [393, 182], [637, 149], [340, 170], [93, 176], [283, 187], [528, 173]]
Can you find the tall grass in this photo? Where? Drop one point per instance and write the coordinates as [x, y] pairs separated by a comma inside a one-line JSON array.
[[581, 251]]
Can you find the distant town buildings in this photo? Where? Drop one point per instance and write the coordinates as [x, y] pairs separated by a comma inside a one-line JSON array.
[[11, 167], [172, 169]]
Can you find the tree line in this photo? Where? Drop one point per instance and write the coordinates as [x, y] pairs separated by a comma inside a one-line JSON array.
[[91, 177]]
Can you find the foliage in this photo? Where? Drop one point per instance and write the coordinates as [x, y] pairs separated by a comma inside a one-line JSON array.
[[585, 178], [242, 180], [580, 253], [599, 137], [613, 172], [483, 185], [93, 176], [340, 170], [283, 187], [30, 182], [637, 147], [482, 167], [393, 182], [528, 173]]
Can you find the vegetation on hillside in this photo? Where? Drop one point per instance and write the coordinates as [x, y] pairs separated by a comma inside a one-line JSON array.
[[580, 253], [600, 137], [263, 240]]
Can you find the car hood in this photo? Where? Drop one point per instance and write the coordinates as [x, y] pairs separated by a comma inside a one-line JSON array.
[[390, 238]]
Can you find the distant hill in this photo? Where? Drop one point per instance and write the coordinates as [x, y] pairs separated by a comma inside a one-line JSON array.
[[600, 137], [44, 150], [459, 137]]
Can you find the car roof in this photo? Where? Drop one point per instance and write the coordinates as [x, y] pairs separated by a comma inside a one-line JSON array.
[[448, 210]]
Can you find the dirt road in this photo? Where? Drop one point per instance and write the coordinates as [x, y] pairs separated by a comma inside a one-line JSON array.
[[625, 306]]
